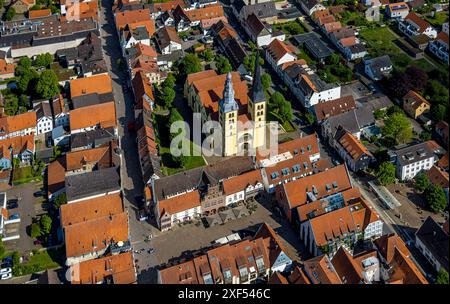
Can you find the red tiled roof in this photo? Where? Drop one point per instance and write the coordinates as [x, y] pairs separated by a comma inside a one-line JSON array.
[[179, 203], [241, 182], [421, 23], [325, 110]]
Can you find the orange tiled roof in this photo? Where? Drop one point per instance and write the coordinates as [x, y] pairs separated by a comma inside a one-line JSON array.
[[103, 114], [179, 203], [334, 107], [300, 144], [415, 99], [95, 235], [323, 269], [438, 176], [404, 270], [332, 26], [387, 244], [120, 267], [6, 68], [277, 49], [321, 14], [18, 144], [443, 162], [349, 41], [443, 37], [393, 6], [75, 160], [39, 13], [99, 84], [91, 209], [298, 276], [149, 25], [421, 23], [56, 172], [277, 278], [296, 190], [11, 124], [241, 182], [353, 146], [133, 16], [169, 5], [183, 273], [206, 12], [200, 75]]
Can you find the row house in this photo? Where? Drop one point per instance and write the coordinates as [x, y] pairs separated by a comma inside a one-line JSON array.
[[311, 6], [77, 10], [78, 162], [228, 43], [260, 33], [277, 54], [265, 10], [396, 261], [17, 125], [324, 110], [413, 25], [136, 32], [439, 47], [50, 114], [237, 262], [310, 189], [203, 186], [353, 152], [242, 187], [306, 85], [185, 18], [167, 40], [18, 147]]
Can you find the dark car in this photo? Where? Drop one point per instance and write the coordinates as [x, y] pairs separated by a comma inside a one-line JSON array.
[[372, 88], [12, 204], [14, 216], [7, 262], [38, 193]]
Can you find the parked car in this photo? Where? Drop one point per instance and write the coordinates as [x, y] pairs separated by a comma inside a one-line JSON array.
[[12, 204], [14, 216], [142, 215], [7, 262], [151, 250], [38, 193], [5, 270], [6, 276], [372, 88]]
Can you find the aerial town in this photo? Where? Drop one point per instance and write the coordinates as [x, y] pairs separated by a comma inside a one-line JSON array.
[[352, 95]]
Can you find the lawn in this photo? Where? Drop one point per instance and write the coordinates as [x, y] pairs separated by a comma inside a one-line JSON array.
[[23, 175], [438, 19], [380, 41], [167, 166], [39, 261], [303, 55], [291, 27]]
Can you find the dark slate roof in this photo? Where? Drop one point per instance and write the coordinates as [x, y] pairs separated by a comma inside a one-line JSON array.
[[314, 44], [92, 183], [353, 120], [202, 176], [289, 13], [357, 48], [91, 99], [257, 91], [44, 154], [172, 57], [377, 101], [413, 153], [256, 26], [377, 63], [235, 52], [435, 240], [309, 3], [261, 10], [92, 138]]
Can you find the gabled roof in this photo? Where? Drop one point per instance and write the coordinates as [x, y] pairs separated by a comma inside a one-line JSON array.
[[438, 176], [388, 243], [415, 100], [277, 49], [166, 35], [348, 269], [11, 124], [353, 146], [241, 182], [18, 145], [436, 240], [39, 13], [75, 160], [141, 86], [421, 23], [320, 271], [103, 114], [99, 84], [95, 235], [179, 203], [334, 107], [131, 16], [91, 209], [119, 267], [256, 26]]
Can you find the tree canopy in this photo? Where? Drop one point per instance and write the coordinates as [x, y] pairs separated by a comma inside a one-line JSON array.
[[46, 224], [442, 277], [435, 197], [280, 107], [43, 60], [398, 127], [386, 173], [266, 81], [223, 65], [190, 64], [421, 182], [47, 85]]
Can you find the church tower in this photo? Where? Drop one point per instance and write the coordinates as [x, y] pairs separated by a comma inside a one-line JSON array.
[[257, 106], [228, 116]]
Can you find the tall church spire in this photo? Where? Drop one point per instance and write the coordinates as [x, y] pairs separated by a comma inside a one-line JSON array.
[[228, 103], [257, 94]]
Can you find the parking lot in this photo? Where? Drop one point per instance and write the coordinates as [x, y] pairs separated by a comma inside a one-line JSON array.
[[28, 207], [173, 244]]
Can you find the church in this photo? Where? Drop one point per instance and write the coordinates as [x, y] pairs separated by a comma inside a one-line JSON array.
[[226, 99]]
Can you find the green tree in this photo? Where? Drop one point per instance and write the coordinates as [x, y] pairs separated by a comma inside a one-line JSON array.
[[442, 277], [2, 248], [59, 201], [174, 117], [435, 197], [207, 55], [35, 230], [386, 173], [439, 111], [179, 161], [310, 118], [25, 62], [15, 258], [266, 81], [421, 182], [223, 65], [165, 96], [43, 60], [170, 80], [190, 64], [10, 13], [280, 107], [425, 136], [249, 61], [46, 224], [25, 80], [398, 127], [47, 85]]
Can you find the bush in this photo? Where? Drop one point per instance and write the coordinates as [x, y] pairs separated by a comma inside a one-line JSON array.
[[35, 230], [10, 13], [386, 173]]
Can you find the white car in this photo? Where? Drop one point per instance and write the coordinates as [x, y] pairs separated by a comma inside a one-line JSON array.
[[6, 276], [5, 270]]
